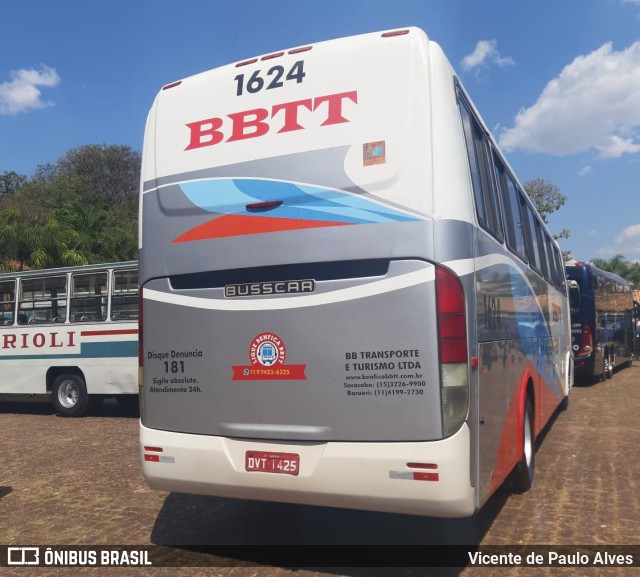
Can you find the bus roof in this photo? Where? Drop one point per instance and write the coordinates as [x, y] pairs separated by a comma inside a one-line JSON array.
[[67, 269]]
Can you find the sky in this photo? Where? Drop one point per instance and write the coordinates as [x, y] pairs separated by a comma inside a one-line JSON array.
[[556, 81]]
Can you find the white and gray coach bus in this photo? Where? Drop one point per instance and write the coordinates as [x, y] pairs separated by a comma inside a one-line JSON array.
[[347, 298]]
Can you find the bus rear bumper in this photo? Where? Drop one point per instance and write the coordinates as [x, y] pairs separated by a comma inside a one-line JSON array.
[[368, 476]]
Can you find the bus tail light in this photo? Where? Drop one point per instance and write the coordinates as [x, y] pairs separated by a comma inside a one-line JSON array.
[[393, 33], [452, 347], [586, 348]]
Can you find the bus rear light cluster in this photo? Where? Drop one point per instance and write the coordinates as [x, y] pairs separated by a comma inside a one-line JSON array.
[[274, 55], [453, 350], [172, 85], [586, 348], [422, 465], [394, 33], [154, 457], [452, 318]]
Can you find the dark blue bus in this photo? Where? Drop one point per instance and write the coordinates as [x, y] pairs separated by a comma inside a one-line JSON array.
[[602, 320]]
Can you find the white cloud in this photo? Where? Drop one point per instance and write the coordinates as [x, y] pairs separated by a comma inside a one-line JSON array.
[[626, 243], [21, 93], [485, 53], [631, 234], [584, 171], [593, 104], [616, 146]]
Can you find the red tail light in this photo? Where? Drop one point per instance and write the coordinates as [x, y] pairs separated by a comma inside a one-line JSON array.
[[395, 33], [586, 348], [452, 319]]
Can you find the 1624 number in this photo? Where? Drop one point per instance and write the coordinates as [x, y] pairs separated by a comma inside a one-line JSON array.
[[275, 78]]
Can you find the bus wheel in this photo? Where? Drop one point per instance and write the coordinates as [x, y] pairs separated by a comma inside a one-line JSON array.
[[69, 395], [523, 473], [607, 367]]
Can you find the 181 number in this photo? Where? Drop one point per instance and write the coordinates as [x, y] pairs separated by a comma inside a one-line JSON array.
[[256, 82], [174, 367]]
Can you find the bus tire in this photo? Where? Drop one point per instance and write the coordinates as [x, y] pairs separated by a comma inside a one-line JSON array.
[[607, 367], [69, 395], [523, 472]]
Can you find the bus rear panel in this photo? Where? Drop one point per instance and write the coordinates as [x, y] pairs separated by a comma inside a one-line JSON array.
[[309, 294]]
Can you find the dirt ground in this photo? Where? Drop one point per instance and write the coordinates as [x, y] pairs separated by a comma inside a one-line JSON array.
[[78, 482]]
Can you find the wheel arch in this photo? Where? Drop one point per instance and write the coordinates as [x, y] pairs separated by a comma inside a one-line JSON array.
[[55, 372]]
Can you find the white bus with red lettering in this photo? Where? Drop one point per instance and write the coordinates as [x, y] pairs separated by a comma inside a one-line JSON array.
[[347, 297], [70, 333]]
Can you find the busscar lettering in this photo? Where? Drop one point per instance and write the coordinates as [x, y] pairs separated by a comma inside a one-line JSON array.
[[269, 288], [258, 122]]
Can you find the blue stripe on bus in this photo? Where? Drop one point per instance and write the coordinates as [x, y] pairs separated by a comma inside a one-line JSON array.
[[121, 349], [306, 202]]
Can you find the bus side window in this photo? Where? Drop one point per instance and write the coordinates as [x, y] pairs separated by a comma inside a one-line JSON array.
[[542, 249], [124, 295], [7, 302], [551, 258], [562, 281], [529, 233], [42, 299], [482, 177], [89, 297], [511, 206]]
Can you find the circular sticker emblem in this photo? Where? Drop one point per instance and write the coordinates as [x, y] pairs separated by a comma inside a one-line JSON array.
[[267, 349]]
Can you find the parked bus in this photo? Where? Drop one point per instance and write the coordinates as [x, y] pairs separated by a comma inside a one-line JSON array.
[[602, 320], [347, 298], [71, 333]]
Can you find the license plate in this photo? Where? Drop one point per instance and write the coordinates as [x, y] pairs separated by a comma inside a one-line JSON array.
[[265, 462]]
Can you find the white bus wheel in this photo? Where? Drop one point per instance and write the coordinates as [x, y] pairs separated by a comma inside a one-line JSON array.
[[69, 395], [523, 472]]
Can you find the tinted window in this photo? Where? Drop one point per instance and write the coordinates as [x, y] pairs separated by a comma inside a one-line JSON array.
[[482, 177], [511, 204], [553, 263], [89, 297], [7, 301], [124, 295], [43, 300], [473, 165], [542, 251]]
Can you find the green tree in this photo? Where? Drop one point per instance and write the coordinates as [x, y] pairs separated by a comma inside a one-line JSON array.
[[19, 225], [10, 182], [111, 173], [57, 245], [618, 265], [81, 209], [547, 198]]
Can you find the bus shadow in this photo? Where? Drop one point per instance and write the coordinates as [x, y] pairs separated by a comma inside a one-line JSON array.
[[107, 408], [25, 406], [110, 407], [585, 382], [209, 531]]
